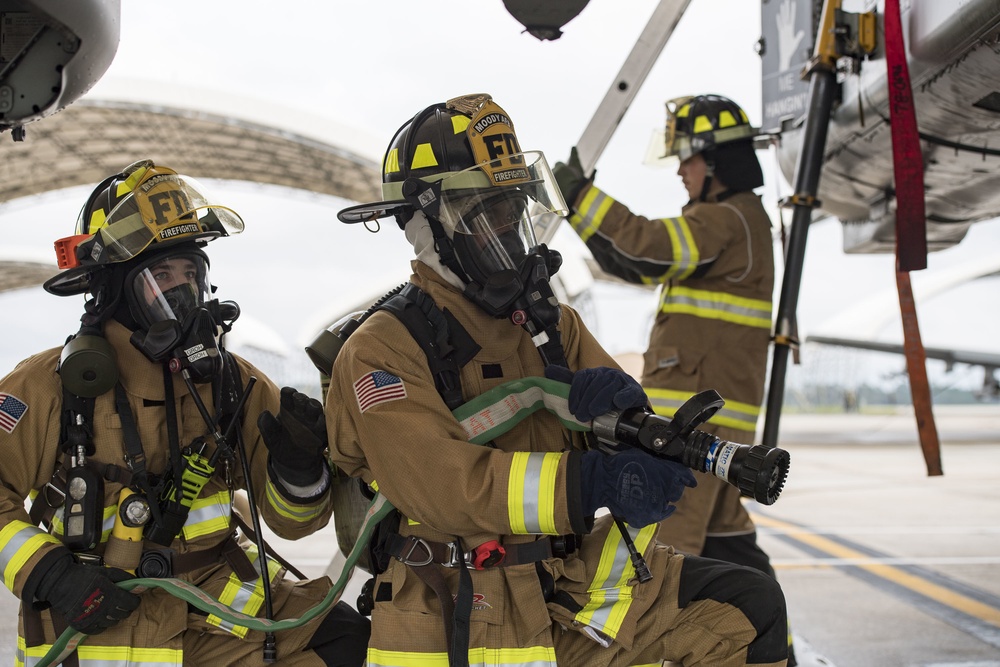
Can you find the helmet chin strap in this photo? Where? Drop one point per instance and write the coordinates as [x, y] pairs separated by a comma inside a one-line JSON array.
[[706, 184]]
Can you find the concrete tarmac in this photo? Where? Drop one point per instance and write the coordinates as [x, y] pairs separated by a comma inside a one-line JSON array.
[[882, 565]]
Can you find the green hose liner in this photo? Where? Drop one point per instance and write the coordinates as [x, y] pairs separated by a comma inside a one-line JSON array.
[[485, 417], [70, 639]]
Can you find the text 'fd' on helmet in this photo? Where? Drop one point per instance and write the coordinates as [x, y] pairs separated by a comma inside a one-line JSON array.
[[467, 145], [145, 207]]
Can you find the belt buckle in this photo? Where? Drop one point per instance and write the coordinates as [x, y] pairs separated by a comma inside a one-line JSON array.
[[414, 543], [453, 554]]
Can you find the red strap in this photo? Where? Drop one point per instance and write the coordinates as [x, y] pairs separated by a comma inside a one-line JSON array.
[[908, 163], [911, 228]]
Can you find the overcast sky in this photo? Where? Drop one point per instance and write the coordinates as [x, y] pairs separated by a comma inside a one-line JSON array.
[[369, 66]]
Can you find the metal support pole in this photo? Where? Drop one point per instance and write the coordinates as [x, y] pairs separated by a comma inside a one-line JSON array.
[[822, 88]]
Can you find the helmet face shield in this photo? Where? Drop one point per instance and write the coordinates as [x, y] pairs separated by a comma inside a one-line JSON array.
[[144, 208], [169, 287], [162, 208], [696, 124], [488, 209]]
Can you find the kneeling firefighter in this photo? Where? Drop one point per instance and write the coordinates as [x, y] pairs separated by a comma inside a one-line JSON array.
[[131, 441], [495, 555]]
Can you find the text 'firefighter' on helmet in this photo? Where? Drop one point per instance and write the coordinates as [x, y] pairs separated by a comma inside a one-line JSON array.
[[703, 122], [144, 207], [463, 146]]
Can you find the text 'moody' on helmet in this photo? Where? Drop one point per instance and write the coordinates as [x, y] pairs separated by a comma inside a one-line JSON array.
[[467, 149], [145, 207], [696, 124]]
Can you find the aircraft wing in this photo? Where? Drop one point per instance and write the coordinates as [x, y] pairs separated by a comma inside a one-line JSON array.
[[990, 361]]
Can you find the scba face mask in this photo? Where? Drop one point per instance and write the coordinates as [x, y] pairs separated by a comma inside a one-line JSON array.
[[492, 233], [179, 323]]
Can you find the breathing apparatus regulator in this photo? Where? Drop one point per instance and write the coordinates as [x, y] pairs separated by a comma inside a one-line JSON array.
[[459, 166]]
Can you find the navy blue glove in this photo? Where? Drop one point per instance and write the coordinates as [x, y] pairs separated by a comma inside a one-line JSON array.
[[595, 391], [296, 438], [633, 485]]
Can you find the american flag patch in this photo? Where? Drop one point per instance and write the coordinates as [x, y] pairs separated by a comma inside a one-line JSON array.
[[378, 387], [11, 410]]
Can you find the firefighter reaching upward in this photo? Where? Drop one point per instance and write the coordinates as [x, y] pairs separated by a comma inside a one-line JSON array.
[[715, 262]]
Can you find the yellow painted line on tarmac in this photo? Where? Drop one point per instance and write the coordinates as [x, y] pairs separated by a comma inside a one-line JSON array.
[[917, 584]]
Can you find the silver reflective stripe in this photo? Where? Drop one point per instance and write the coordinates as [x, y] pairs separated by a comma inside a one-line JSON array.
[[610, 592], [590, 214], [532, 487], [19, 541], [686, 254], [531, 656], [717, 306], [111, 656], [734, 414], [300, 513], [208, 515], [244, 596]]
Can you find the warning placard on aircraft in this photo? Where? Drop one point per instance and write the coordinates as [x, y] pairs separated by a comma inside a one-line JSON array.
[[787, 32]]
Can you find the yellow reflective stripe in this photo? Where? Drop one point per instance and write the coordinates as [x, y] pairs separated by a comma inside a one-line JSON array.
[[208, 515], [733, 414], [392, 161], [281, 505], [590, 214], [717, 306], [105, 656], [531, 490], [685, 250], [531, 656], [610, 594], [459, 123], [244, 596], [701, 124], [19, 541], [423, 156]]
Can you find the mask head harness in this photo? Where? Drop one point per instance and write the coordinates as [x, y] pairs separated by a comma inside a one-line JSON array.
[[461, 165]]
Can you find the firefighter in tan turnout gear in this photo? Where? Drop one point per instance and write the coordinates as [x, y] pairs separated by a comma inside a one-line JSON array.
[[713, 325], [495, 556], [119, 440]]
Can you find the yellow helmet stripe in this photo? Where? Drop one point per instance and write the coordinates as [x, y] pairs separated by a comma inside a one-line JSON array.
[[423, 156], [726, 119], [392, 161], [459, 123], [702, 124]]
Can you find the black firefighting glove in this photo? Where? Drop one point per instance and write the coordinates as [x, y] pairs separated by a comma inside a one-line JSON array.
[[633, 485], [86, 595], [596, 391], [570, 177], [296, 438]]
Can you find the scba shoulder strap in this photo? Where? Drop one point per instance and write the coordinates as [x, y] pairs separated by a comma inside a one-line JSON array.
[[445, 342]]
